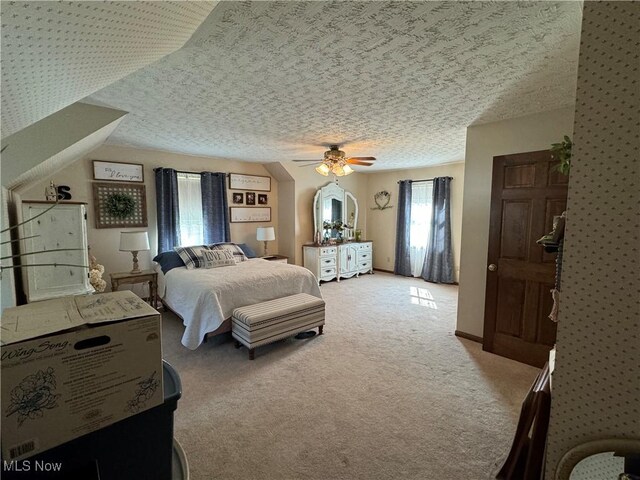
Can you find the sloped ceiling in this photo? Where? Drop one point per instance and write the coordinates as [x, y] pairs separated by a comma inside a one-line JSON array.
[[55, 53], [274, 81]]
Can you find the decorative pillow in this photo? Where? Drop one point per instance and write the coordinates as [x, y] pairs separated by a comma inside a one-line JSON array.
[[217, 258], [236, 251], [168, 261], [248, 251], [192, 256]]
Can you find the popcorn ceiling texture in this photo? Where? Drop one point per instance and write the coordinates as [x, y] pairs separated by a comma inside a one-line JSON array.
[[596, 381], [269, 81], [55, 53]]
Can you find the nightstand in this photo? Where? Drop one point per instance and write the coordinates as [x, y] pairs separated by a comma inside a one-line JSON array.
[[128, 278], [276, 258]]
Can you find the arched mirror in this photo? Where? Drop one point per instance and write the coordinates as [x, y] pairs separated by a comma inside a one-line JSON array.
[[332, 204]]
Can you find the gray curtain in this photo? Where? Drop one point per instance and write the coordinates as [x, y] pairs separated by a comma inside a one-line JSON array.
[[438, 264], [167, 209], [215, 212], [403, 230]]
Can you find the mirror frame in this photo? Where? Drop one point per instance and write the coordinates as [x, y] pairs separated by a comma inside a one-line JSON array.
[[333, 190]]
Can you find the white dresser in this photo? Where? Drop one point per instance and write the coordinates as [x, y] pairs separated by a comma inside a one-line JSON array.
[[62, 227], [339, 261]]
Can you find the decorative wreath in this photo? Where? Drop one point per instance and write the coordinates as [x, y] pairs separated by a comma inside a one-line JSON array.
[[120, 205]]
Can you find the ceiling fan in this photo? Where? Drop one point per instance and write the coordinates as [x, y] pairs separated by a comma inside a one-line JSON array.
[[336, 162]]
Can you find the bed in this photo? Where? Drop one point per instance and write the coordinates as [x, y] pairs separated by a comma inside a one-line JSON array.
[[205, 297]]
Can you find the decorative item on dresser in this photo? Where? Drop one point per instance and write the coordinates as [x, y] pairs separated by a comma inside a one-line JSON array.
[[54, 249]]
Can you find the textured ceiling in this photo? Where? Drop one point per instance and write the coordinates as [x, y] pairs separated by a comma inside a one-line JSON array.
[[55, 53], [270, 81]]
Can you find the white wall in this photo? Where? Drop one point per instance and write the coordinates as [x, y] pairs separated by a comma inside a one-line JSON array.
[[524, 134], [104, 242], [381, 224]]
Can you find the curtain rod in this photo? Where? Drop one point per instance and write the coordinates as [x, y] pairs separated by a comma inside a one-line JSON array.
[[423, 180], [189, 172]]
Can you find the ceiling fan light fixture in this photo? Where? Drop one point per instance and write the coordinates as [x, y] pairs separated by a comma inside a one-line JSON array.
[[347, 170], [338, 170], [323, 169]]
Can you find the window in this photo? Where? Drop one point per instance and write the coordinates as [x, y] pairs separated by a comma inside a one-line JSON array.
[[190, 206], [421, 209]]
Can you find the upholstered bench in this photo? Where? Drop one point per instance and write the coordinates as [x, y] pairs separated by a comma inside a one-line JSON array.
[[273, 320]]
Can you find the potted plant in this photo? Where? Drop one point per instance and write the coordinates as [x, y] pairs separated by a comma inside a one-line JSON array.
[[562, 152]]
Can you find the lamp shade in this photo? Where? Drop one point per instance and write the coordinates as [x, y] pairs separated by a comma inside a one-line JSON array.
[[323, 169], [266, 234], [134, 241]]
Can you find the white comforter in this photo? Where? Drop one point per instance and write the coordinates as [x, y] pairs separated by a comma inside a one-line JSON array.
[[204, 298]]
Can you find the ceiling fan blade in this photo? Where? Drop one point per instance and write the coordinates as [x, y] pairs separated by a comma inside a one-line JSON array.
[[305, 160], [362, 158], [351, 161], [309, 165]]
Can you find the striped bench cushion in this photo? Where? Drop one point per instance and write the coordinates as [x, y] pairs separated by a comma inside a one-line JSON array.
[[266, 322]]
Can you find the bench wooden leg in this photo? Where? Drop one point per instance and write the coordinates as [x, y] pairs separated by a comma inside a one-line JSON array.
[[320, 329], [238, 344], [252, 353]]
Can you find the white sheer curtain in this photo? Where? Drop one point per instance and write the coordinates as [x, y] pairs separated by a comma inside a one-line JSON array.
[[421, 200], [190, 204]]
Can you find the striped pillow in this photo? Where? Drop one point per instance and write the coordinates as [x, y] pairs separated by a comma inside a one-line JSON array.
[[236, 251], [192, 256]]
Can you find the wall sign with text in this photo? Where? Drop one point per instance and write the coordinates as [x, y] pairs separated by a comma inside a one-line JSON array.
[[118, 171], [250, 214], [238, 181]]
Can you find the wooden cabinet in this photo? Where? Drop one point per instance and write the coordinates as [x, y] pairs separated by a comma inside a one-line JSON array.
[[61, 235], [339, 261]]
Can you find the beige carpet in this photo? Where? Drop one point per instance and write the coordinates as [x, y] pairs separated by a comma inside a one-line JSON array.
[[388, 392]]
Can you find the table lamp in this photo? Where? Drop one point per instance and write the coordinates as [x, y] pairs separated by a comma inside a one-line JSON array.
[[134, 242], [266, 234]]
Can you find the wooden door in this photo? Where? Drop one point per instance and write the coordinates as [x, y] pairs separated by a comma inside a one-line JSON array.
[[526, 194]]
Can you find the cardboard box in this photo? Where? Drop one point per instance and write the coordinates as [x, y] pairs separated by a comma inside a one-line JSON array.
[[73, 365]]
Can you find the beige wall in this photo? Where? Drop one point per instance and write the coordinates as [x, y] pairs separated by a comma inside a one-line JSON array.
[[524, 134], [596, 378], [307, 181], [104, 242], [381, 224]]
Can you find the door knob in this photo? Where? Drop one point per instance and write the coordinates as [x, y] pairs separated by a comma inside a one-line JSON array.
[[492, 267]]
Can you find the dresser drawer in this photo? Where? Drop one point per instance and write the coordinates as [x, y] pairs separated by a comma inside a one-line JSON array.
[[364, 247], [364, 255], [325, 251], [327, 262], [327, 272], [364, 265]]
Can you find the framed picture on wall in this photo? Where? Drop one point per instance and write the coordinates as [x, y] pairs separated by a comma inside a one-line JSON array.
[[238, 181], [251, 198], [250, 214], [263, 199], [118, 205], [238, 198], [118, 171]]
